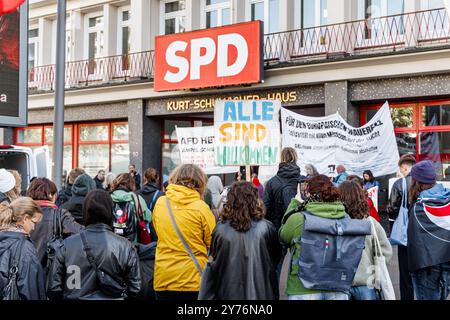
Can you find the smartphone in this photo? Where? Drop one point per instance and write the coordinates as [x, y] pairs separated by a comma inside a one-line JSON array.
[[302, 187]]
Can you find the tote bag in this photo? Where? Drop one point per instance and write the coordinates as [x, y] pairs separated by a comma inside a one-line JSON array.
[[399, 232], [383, 281]]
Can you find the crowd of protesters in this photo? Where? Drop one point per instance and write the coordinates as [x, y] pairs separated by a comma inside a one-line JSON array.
[[108, 237]]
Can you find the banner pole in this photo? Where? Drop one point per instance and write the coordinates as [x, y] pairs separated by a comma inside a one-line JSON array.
[[247, 164]]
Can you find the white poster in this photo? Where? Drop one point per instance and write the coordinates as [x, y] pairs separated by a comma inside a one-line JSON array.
[[247, 132], [372, 193], [196, 146], [331, 141]]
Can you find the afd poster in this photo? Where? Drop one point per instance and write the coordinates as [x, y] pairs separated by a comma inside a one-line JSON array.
[[247, 132], [331, 141], [196, 145]]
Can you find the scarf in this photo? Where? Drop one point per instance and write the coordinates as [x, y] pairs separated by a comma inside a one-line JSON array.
[[46, 204]]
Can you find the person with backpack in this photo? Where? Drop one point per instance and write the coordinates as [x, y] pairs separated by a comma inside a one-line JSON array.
[[44, 191], [317, 230], [81, 187], [184, 223], [131, 213], [151, 193], [354, 198], [400, 196], [429, 234], [244, 252], [282, 188], [21, 274], [107, 264]]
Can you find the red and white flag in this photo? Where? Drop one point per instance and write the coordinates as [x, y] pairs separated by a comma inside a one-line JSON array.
[[7, 6]]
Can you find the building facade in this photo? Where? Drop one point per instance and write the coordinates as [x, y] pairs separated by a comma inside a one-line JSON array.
[[320, 57]]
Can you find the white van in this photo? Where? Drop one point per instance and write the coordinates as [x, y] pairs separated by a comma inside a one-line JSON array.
[[28, 162]]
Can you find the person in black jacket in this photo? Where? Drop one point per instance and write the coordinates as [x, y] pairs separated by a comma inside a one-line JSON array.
[[405, 164], [244, 251], [136, 176], [65, 194], [17, 220], [99, 179], [81, 187], [282, 188], [112, 255], [150, 191], [44, 192]]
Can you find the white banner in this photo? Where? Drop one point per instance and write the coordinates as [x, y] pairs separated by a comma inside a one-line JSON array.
[[331, 141], [196, 146], [247, 132]]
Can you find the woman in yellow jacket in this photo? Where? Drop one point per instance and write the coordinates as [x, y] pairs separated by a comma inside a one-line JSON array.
[[176, 275]]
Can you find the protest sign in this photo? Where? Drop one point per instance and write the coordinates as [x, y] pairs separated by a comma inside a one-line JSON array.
[[330, 140], [247, 132], [196, 146], [372, 193]]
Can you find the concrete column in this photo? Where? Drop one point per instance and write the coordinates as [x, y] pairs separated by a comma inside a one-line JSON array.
[[154, 22], [110, 29], [336, 100], [193, 15], [412, 22], [144, 137], [46, 42], [287, 15], [238, 8], [7, 135], [140, 25], [77, 20]]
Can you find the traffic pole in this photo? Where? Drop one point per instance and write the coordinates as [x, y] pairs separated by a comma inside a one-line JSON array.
[[58, 123]]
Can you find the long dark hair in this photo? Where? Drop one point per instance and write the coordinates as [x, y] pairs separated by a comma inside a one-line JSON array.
[[416, 188], [370, 174], [321, 189], [243, 206], [354, 199]]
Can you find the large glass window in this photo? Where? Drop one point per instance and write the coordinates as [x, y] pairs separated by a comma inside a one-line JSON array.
[[29, 135], [124, 31], [314, 13], [216, 13], [174, 16], [402, 117], [33, 49], [267, 11], [95, 37], [436, 115], [435, 146]]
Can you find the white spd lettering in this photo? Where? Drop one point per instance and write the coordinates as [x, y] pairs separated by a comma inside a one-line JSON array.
[[205, 57]]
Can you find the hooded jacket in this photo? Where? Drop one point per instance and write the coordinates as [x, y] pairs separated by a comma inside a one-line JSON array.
[[125, 196], [242, 265], [279, 192], [64, 195], [44, 230], [31, 275], [146, 255], [113, 254], [82, 186], [174, 268], [292, 228], [148, 192], [216, 187]]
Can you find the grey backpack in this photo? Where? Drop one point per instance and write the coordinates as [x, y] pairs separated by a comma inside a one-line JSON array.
[[330, 251]]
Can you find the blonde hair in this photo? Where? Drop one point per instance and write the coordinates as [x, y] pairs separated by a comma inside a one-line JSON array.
[[14, 212], [288, 155], [109, 180], [189, 176]]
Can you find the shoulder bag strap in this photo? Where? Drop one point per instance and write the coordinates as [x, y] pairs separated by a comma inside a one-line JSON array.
[[404, 193], [139, 208], [58, 222], [155, 196], [377, 245], [87, 249], [186, 246]]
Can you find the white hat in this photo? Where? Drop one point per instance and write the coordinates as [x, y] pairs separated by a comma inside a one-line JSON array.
[[7, 181]]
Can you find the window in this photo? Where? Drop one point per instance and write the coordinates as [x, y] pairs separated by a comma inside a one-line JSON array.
[[33, 49], [314, 13], [267, 11], [421, 128], [124, 31], [91, 146], [173, 17], [386, 29], [95, 40], [216, 13]]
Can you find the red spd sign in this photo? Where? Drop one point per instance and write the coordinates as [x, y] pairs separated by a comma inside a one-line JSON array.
[[213, 57]]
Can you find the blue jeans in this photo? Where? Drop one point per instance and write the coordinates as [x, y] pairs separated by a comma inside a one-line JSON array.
[[363, 293], [320, 296], [432, 283]]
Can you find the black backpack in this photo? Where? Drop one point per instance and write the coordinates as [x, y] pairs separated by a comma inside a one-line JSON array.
[[124, 220], [55, 243]]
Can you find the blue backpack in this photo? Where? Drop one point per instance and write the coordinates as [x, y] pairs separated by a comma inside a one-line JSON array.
[[330, 251]]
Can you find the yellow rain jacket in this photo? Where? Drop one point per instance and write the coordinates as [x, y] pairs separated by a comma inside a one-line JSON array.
[[174, 268]]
